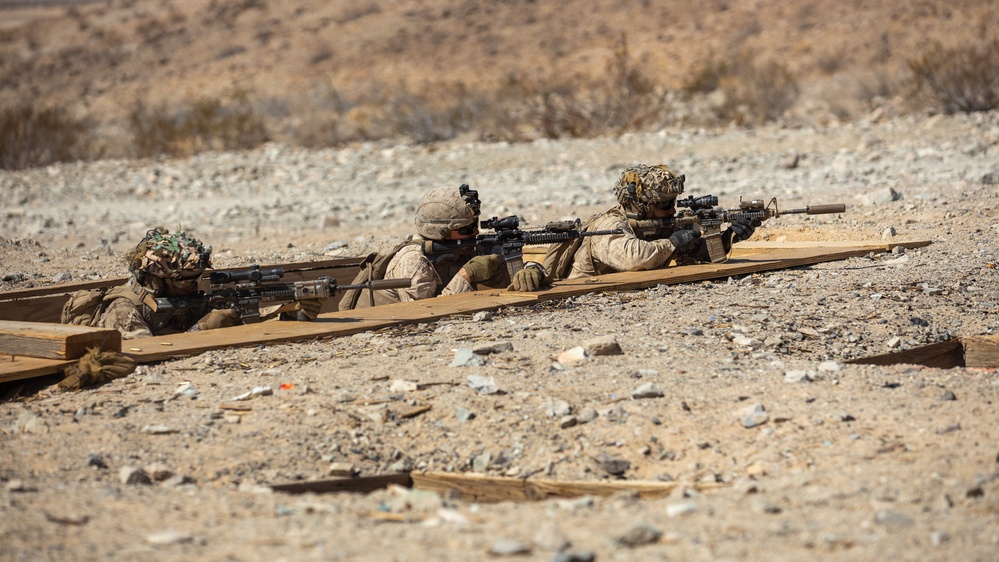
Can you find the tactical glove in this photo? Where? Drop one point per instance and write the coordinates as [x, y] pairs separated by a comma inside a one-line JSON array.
[[684, 241], [96, 367], [481, 268], [527, 279], [309, 309], [216, 318], [741, 229]]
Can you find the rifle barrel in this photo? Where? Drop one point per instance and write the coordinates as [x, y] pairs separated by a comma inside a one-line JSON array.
[[830, 209]]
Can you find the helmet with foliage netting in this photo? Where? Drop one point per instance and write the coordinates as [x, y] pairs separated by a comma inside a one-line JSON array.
[[162, 256], [643, 186], [445, 209]]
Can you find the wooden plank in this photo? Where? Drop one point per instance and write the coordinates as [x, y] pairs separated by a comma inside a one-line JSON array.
[[54, 341], [344, 323], [13, 368], [482, 488], [44, 304], [942, 355], [981, 352], [360, 485]]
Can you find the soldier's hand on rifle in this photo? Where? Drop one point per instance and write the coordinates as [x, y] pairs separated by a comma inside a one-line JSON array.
[[309, 308], [528, 279], [481, 268], [684, 240], [216, 318], [741, 229]]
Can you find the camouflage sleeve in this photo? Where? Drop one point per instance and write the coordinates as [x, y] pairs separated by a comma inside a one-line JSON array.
[[410, 262], [458, 284], [123, 316], [624, 252]]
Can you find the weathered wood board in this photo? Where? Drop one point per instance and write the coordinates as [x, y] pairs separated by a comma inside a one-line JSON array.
[[54, 341], [978, 352], [483, 488], [350, 322]]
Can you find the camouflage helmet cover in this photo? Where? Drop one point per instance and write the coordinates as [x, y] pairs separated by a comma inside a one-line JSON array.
[[168, 256], [643, 185], [444, 209]]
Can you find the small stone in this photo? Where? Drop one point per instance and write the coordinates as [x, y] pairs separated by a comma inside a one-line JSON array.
[[133, 475], [158, 430], [16, 485], [888, 233], [754, 415], [586, 415], [639, 535], [481, 462], [342, 470], [991, 178], [573, 356], [948, 396], [615, 467], [400, 385], [682, 508], [158, 471], [939, 537], [894, 342], [580, 556], [464, 415], [62, 277], [483, 385], [647, 390], [694, 332], [746, 341], [555, 408], [490, 348], [336, 244], [604, 345], [797, 376], [465, 357], [164, 538], [830, 367], [482, 316], [95, 461], [568, 421], [508, 547]]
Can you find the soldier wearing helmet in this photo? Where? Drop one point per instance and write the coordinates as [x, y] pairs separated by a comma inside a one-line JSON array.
[[445, 213], [162, 264], [643, 192]]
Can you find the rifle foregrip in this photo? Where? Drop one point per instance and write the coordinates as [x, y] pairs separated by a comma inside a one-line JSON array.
[[825, 209]]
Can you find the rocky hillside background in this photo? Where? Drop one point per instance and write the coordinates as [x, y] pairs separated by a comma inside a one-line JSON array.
[[148, 77]]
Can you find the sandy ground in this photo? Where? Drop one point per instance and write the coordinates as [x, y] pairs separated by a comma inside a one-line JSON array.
[[806, 456]]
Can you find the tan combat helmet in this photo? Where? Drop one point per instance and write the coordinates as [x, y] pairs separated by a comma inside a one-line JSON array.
[[642, 186], [162, 257], [445, 209]]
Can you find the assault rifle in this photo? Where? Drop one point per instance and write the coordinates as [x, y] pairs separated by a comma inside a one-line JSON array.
[[245, 291], [508, 240], [703, 214]]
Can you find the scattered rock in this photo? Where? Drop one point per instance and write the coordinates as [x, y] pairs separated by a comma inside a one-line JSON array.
[[604, 345], [166, 538], [131, 475], [482, 385], [639, 535], [647, 390], [465, 357], [463, 415], [508, 547], [489, 348], [754, 415], [681, 508], [573, 356]]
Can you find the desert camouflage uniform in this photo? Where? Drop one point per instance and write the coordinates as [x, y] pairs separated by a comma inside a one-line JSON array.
[[410, 262], [599, 255]]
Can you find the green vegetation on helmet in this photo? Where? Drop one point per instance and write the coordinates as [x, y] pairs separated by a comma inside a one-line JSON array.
[[168, 256], [641, 186]]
